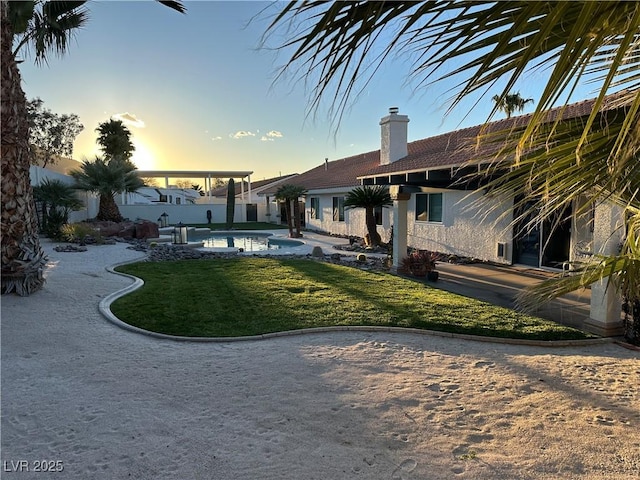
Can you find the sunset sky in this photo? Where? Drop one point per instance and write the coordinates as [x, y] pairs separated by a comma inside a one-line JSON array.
[[198, 92]]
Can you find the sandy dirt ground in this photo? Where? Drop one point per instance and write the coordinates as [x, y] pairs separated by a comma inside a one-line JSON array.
[[85, 397]]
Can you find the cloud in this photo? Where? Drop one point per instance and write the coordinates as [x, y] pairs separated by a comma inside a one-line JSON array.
[[271, 136], [242, 134], [129, 119], [215, 139]]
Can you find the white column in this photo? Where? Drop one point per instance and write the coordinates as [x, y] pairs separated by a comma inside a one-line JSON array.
[[249, 187], [400, 201], [606, 305]]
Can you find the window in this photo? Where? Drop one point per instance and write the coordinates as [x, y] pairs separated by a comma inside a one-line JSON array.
[[377, 212], [163, 198], [338, 209], [178, 200], [315, 208], [429, 207]]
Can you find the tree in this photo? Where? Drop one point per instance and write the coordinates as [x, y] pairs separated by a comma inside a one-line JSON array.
[[107, 178], [369, 198], [231, 203], [554, 163], [46, 26], [511, 102], [290, 194], [197, 188], [50, 133], [114, 139], [149, 182], [57, 200]]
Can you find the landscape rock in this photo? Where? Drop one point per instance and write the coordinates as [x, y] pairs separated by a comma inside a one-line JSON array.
[[146, 229]]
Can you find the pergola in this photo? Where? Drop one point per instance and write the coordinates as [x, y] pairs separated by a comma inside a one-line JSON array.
[[206, 175]]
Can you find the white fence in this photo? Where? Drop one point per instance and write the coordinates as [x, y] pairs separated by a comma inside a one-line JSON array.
[[90, 201]]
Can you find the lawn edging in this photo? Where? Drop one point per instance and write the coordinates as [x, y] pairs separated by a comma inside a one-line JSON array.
[[105, 310]]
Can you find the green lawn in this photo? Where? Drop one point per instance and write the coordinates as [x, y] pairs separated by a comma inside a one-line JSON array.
[[255, 295]]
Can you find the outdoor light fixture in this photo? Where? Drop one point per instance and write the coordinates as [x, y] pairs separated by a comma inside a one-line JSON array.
[[179, 234], [164, 220]]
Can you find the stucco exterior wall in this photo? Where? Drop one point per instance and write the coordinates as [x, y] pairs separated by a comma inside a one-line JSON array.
[[354, 219], [463, 231]]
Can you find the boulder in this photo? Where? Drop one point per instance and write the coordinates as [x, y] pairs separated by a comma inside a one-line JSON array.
[[146, 229], [127, 230], [107, 229]]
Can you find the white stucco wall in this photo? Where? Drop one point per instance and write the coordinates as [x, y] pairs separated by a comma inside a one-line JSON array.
[[354, 219], [38, 174], [463, 231]]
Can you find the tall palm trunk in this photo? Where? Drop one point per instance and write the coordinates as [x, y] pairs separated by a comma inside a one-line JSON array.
[[287, 209], [372, 229], [23, 259], [296, 218]]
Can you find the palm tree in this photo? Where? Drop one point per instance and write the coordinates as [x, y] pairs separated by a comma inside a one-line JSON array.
[[510, 103], [114, 139], [555, 164], [57, 200], [369, 198], [47, 26], [198, 188], [107, 178], [289, 194]]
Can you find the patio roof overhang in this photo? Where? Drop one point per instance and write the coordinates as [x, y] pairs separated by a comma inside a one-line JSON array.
[[194, 173], [451, 177], [206, 175]]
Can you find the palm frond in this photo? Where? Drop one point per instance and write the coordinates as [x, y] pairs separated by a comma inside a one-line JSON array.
[[52, 27], [343, 43], [368, 197]]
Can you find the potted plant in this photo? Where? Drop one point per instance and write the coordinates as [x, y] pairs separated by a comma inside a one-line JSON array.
[[420, 263]]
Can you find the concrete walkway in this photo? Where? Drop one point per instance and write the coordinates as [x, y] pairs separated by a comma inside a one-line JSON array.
[[500, 286]]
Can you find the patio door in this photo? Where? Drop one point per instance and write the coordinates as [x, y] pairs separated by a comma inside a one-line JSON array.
[[556, 239], [526, 242], [542, 245]]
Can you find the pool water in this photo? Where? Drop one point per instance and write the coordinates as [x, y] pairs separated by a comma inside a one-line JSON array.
[[248, 242]]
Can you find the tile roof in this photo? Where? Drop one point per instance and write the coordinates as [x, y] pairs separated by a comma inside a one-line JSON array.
[[454, 148], [445, 150], [335, 174]]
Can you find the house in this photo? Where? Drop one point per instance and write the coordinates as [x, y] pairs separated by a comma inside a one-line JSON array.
[[327, 185], [154, 195], [434, 210]]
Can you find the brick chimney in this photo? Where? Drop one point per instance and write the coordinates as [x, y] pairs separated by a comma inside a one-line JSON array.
[[393, 133]]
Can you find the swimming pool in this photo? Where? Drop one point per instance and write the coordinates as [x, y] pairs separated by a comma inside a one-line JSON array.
[[247, 241]]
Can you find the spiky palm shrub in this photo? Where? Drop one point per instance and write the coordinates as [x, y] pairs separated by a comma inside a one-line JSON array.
[[231, 203], [107, 178], [57, 200], [369, 198]]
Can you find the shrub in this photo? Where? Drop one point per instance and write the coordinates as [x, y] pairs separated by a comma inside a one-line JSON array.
[[418, 263], [80, 233]]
